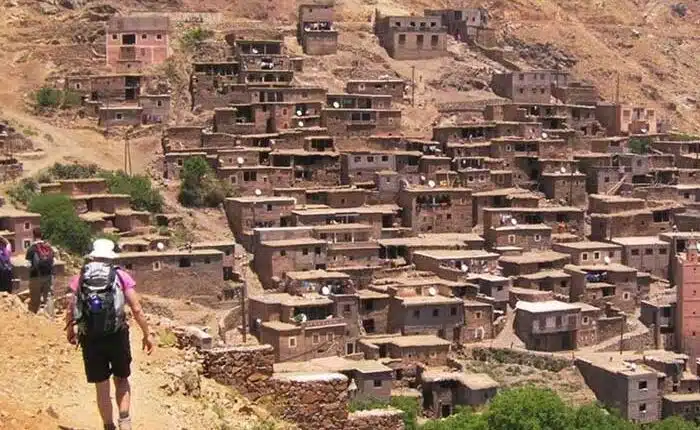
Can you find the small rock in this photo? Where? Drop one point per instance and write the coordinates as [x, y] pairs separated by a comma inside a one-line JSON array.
[[50, 411]]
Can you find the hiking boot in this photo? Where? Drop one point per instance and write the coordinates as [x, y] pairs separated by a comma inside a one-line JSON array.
[[125, 423], [110, 427]]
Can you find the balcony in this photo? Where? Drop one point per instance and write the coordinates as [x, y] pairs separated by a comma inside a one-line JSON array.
[[323, 323]]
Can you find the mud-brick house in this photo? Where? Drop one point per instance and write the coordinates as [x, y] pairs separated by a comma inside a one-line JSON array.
[[194, 275], [531, 86], [411, 37], [228, 248], [105, 203], [18, 228], [456, 264], [275, 257], [361, 166], [436, 209], [248, 179], [310, 168], [299, 327], [395, 88], [444, 390], [547, 326], [409, 350], [247, 213], [412, 313], [137, 41], [315, 31]]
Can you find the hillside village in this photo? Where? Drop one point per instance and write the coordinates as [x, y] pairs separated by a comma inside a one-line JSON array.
[[373, 243]]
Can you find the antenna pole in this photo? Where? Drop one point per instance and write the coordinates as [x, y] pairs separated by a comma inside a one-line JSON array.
[[617, 89], [413, 85], [244, 325]]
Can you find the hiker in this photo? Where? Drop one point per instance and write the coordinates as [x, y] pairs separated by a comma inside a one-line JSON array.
[[6, 272], [96, 320], [40, 256]]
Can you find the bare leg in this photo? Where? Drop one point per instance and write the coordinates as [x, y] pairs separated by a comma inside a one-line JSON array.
[[123, 393], [104, 402]]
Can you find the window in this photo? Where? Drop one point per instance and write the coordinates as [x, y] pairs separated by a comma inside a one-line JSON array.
[[315, 339], [662, 251], [159, 103], [416, 314], [402, 39], [349, 348], [558, 321], [27, 226], [643, 408], [453, 311], [115, 37], [511, 238], [370, 159], [434, 40], [283, 253], [292, 342], [358, 159], [611, 254], [585, 320], [377, 383], [385, 158], [144, 36], [477, 315], [305, 251], [538, 238], [185, 262], [157, 266], [642, 385], [606, 179], [317, 250], [119, 116], [329, 337], [521, 76], [635, 252], [625, 296], [649, 251], [596, 255], [369, 305], [436, 313], [159, 36], [449, 216], [269, 208], [419, 40], [26, 243]]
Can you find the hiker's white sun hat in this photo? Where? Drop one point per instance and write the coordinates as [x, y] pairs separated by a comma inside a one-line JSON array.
[[103, 248]]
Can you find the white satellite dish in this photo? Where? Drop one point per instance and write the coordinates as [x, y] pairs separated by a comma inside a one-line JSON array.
[[544, 135], [563, 169], [325, 291], [272, 142], [255, 51], [697, 245], [606, 259], [160, 246], [644, 131], [300, 113], [240, 161], [258, 321], [301, 123], [464, 268], [422, 178], [432, 291], [258, 192], [514, 221], [336, 105], [303, 318], [431, 183]]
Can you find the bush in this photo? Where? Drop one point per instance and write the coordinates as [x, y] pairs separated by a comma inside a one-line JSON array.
[[195, 36], [408, 405], [48, 97], [199, 186], [73, 171], [24, 191], [60, 224], [638, 146], [138, 187]]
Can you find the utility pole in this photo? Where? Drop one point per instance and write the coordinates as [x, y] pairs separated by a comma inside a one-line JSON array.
[[127, 154], [622, 330], [617, 89], [244, 325], [413, 85]]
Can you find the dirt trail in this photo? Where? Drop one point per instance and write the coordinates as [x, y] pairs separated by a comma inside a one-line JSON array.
[[48, 385]]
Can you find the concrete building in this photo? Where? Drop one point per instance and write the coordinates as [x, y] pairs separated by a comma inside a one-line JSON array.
[[687, 302], [534, 86], [396, 88], [646, 254], [409, 350], [620, 119], [315, 31], [135, 42], [436, 209], [411, 37], [590, 252]]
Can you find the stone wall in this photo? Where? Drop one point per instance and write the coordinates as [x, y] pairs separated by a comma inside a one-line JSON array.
[[245, 368], [539, 360], [639, 342], [311, 401], [384, 419]]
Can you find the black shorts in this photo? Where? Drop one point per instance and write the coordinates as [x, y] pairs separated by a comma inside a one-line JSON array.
[[107, 356]]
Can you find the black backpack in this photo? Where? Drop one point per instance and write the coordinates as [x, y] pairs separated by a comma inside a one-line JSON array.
[[6, 273], [99, 304], [43, 259]]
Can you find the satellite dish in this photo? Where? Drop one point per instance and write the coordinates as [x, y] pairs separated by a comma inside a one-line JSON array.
[[697, 245], [544, 135], [272, 142], [464, 268], [258, 321], [644, 131], [240, 161], [160, 246], [258, 192], [422, 178], [431, 183], [300, 113], [563, 169], [325, 291], [514, 221], [336, 105], [255, 51], [303, 318], [432, 291], [606, 259], [301, 123]]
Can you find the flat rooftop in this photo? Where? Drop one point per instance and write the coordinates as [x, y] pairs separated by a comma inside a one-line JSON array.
[[639, 240], [474, 381], [588, 245], [546, 306], [534, 257], [428, 300], [286, 299], [446, 239], [456, 254], [419, 340], [286, 243], [308, 275]]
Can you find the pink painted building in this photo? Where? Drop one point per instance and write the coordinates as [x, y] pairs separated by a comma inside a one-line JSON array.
[[688, 300], [136, 42]]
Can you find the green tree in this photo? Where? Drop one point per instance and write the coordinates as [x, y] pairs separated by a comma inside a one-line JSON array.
[[60, 224], [24, 191], [48, 97], [638, 146], [673, 423], [594, 417], [462, 420], [195, 36], [138, 187], [199, 186], [73, 171], [528, 408]]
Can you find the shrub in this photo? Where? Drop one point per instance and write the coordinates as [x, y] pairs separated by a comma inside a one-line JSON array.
[[638, 146], [73, 171], [408, 405], [138, 187], [60, 224], [195, 36], [24, 191], [48, 97], [198, 185]]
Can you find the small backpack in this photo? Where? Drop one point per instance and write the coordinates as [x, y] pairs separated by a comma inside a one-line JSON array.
[[43, 259], [99, 304], [6, 272]]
